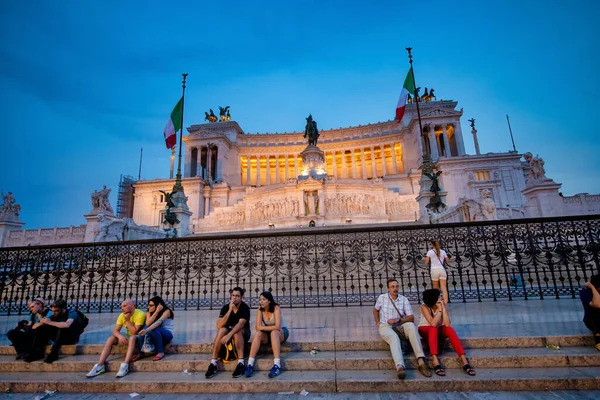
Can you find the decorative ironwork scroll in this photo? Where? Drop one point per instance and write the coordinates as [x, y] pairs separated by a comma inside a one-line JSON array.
[[321, 267]]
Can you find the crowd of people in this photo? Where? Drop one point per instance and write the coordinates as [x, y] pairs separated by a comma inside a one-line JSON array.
[[149, 332]]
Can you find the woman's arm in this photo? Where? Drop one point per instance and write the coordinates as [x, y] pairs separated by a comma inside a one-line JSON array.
[[151, 318], [426, 260], [258, 320], [277, 325], [433, 320], [155, 324], [445, 315]]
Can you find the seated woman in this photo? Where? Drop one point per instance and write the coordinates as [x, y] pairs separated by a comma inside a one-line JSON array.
[[159, 326], [435, 321], [590, 299], [270, 328]]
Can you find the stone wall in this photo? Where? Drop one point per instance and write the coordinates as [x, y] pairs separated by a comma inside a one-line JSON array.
[[41, 236]]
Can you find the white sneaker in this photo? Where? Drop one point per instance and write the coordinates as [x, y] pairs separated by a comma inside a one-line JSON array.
[[123, 370], [97, 370]]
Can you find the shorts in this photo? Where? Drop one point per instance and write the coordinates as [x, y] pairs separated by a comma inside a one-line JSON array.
[[438, 273], [245, 333], [286, 334]]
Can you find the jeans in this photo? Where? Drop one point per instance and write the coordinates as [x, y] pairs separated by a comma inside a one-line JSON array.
[[393, 339], [160, 338]]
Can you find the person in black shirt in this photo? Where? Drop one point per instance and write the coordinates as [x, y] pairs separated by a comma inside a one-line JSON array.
[[233, 322], [590, 298], [64, 327]]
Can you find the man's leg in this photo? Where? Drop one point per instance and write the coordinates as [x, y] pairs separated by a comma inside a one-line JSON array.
[[391, 337], [41, 337], [20, 341], [62, 336], [110, 342], [212, 367], [410, 333]]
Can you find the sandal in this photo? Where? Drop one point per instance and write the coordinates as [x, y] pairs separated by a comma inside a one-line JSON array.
[[439, 370], [158, 357], [136, 357], [469, 370]]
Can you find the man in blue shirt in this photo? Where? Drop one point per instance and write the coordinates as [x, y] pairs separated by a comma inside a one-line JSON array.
[[590, 298], [22, 336], [64, 327]]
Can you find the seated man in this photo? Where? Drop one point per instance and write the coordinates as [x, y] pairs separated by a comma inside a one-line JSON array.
[[394, 318], [590, 298], [62, 327], [22, 336], [134, 320], [234, 321]]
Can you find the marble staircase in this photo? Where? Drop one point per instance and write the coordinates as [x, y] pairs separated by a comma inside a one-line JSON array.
[[502, 363]]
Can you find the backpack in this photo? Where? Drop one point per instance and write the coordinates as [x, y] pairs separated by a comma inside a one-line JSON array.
[[228, 352], [83, 319]]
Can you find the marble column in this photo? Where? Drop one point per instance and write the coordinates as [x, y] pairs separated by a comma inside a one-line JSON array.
[[296, 165], [394, 161], [458, 137], [353, 164], [433, 143], [344, 166], [206, 204], [277, 177], [268, 172], [334, 162], [364, 164], [287, 168], [248, 170], [209, 163], [383, 166], [373, 166], [446, 141], [258, 171]]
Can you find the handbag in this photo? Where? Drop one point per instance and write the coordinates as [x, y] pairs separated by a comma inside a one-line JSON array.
[[400, 330], [148, 346]]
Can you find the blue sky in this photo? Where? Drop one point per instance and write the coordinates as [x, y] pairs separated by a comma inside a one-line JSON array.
[[85, 85]]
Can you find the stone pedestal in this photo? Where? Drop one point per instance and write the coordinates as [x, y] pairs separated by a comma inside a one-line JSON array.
[[543, 199], [313, 163], [6, 226], [183, 213]]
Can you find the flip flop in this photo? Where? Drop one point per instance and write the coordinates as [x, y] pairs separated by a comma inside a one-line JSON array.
[[158, 357], [136, 357]]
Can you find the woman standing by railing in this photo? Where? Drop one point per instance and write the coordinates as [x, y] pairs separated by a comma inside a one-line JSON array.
[[438, 259]]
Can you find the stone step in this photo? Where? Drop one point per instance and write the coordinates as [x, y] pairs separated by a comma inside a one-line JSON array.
[[506, 379], [347, 345], [341, 360]]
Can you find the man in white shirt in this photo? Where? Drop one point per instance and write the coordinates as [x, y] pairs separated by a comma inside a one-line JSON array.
[[394, 318]]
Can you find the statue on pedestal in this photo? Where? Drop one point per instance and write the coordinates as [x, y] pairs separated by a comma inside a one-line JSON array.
[[9, 208], [310, 131], [210, 117], [170, 217], [100, 201], [224, 114], [536, 167]]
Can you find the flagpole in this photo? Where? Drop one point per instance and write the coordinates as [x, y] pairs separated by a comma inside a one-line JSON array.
[[178, 187], [140, 170], [416, 97], [511, 135]]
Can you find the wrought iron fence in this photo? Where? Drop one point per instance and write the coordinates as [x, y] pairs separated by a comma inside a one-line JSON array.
[[313, 267]]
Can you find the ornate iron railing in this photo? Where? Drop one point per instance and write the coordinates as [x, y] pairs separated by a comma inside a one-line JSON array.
[[312, 267]]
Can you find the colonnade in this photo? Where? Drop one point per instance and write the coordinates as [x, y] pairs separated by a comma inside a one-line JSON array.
[[375, 161], [443, 140]]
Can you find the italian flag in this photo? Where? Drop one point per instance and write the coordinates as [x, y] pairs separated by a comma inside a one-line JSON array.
[[408, 88], [173, 125]]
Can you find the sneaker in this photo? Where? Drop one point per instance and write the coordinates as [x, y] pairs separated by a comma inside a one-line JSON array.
[[249, 371], [97, 370], [274, 371], [212, 371], [50, 358], [597, 346], [123, 370], [239, 370]]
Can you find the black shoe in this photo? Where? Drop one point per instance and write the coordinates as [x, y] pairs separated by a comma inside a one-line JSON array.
[[212, 371], [239, 370], [21, 356], [50, 358], [33, 357]]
